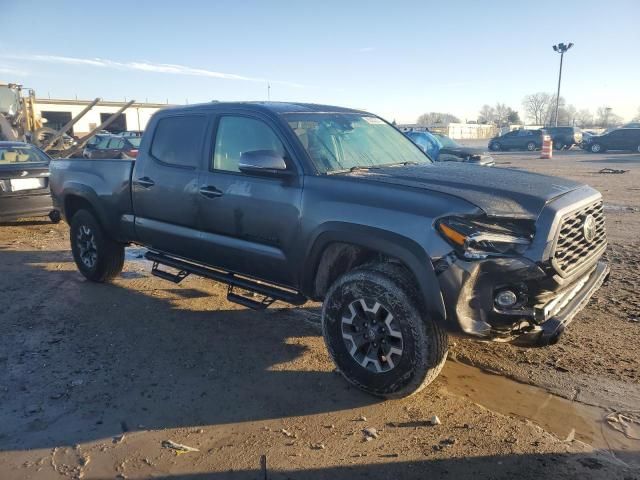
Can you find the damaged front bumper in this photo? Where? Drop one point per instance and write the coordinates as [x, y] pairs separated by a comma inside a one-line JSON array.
[[545, 305]]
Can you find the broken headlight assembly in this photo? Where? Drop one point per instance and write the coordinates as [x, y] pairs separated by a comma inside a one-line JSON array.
[[478, 238]]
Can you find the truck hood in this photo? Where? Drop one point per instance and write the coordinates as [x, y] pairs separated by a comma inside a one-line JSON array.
[[497, 191]]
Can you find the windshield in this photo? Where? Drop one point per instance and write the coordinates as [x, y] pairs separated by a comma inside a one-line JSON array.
[[21, 154], [343, 141], [445, 141]]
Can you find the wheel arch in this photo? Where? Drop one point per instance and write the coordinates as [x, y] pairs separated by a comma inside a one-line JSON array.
[[80, 197], [339, 248]]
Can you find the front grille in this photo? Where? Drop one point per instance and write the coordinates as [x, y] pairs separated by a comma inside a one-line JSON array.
[[572, 247]]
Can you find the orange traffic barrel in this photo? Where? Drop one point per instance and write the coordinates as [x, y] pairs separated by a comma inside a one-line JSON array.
[[547, 147]]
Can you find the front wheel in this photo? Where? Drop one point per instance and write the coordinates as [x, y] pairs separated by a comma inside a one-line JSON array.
[[495, 147], [531, 146], [378, 333], [596, 148], [558, 145], [98, 257]]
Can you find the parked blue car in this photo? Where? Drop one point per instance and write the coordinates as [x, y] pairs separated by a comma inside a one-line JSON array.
[[443, 149]]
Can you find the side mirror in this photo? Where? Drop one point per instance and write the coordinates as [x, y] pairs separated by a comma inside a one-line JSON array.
[[263, 162]]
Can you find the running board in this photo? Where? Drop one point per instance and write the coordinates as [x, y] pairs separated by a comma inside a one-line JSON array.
[[268, 293]]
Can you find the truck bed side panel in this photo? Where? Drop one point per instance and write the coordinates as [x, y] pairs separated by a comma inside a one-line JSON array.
[[105, 184]]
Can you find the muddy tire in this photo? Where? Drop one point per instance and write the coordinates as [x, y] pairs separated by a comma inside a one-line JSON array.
[[98, 257], [377, 333]]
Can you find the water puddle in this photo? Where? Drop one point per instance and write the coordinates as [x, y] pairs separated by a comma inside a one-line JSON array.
[[602, 429], [610, 207], [135, 254]]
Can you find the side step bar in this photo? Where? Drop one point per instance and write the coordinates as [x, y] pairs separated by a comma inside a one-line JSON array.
[[268, 292]]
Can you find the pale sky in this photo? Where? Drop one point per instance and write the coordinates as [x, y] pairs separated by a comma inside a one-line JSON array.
[[397, 59]]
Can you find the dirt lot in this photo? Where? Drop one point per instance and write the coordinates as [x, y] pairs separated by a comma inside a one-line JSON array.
[[94, 378]]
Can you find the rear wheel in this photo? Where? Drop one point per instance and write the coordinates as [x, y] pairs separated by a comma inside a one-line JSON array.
[[531, 146], [98, 257], [638, 149], [378, 334]]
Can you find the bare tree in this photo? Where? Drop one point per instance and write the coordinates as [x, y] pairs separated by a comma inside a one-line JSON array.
[[606, 118], [567, 115], [536, 107], [584, 118], [432, 118], [502, 114], [487, 114]]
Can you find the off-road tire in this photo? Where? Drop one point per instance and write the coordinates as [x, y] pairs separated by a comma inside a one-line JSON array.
[[425, 343], [109, 254]]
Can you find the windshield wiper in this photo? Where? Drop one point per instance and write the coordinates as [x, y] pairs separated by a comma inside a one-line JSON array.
[[352, 169], [404, 164]]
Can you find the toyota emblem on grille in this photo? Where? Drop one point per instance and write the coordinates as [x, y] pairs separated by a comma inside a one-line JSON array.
[[589, 228]]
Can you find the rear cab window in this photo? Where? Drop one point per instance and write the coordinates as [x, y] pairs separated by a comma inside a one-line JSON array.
[[177, 140]]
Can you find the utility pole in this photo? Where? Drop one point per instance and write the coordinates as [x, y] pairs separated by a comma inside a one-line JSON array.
[[561, 48]]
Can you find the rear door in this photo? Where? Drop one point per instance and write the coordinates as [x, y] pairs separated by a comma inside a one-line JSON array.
[[629, 139], [615, 140], [249, 223], [165, 184]]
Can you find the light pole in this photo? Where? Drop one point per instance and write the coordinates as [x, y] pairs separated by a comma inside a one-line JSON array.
[[561, 48]]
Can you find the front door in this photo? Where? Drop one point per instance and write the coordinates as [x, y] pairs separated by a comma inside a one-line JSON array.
[[165, 185], [249, 223]]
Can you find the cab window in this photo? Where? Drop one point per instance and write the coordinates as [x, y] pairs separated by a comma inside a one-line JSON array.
[[236, 135]]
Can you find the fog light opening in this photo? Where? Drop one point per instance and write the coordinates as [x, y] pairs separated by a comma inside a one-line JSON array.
[[506, 299]]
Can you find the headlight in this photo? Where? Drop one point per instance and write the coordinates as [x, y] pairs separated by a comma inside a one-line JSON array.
[[476, 238]]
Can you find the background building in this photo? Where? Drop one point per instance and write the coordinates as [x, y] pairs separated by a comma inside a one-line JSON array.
[[57, 112]]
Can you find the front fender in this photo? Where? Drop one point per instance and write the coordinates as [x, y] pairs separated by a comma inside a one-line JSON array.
[[406, 250]]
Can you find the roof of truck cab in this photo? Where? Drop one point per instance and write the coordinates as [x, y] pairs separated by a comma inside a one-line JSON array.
[[274, 107]]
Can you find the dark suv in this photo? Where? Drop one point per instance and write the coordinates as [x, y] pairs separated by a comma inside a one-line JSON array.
[[517, 140], [619, 139], [564, 137]]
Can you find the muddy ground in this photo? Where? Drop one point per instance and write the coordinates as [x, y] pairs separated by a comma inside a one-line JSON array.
[[94, 378]]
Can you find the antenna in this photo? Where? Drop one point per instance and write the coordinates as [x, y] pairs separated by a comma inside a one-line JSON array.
[[268, 91]]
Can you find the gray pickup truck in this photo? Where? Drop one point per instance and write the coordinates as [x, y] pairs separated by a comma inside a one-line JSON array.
[[295, 202]]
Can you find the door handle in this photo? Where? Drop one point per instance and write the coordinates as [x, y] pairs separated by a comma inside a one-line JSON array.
[[210, 192], [145, 182]]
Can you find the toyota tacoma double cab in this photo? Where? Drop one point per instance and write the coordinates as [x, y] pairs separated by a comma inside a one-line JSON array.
[[295, 202]]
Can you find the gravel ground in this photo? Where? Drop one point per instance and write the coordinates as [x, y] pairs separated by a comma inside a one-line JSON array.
[[94, 378]]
